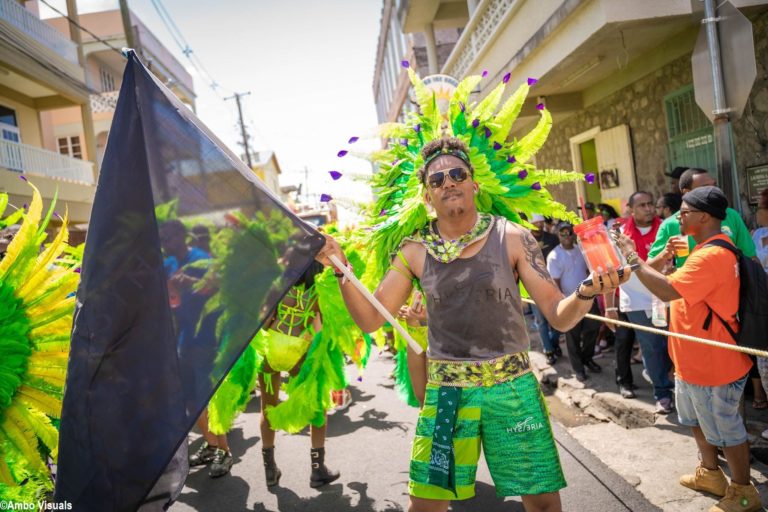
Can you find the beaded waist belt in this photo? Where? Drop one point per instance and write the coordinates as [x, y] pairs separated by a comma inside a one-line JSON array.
[[469, 374]]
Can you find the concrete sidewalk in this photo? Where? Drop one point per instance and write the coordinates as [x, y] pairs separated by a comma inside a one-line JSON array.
[[649, 450]]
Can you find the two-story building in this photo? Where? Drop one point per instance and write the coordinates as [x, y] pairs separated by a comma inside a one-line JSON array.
[[104, 71]]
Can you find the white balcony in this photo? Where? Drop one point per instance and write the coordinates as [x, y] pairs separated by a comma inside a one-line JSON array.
[[25, 159], [15, 14], [104, 102]]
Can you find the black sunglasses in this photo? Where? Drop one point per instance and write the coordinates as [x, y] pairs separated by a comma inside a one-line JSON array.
[[682, 213], [457, 175]]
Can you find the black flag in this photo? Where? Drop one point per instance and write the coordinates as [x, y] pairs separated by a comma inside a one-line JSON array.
[[149, 347]]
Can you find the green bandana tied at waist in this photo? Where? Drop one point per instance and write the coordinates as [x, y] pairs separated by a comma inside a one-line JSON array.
[[442, 470]]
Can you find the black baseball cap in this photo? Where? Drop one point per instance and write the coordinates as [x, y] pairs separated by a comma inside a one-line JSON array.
[[677, 172]]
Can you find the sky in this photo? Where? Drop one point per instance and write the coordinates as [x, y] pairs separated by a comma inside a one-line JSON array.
[[308, 65]]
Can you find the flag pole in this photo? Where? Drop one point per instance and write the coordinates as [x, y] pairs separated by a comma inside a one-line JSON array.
[[375, 303]]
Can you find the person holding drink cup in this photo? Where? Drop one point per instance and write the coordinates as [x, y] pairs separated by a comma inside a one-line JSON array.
[[733, 226], [476, 322]]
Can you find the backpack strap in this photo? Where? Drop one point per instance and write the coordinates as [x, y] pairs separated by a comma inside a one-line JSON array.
[[708, 321], [725, 245]]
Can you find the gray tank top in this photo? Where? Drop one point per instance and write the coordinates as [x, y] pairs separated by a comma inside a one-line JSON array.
[[474, 310]]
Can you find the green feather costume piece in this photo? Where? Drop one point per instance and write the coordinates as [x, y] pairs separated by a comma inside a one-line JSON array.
[[508, 184], [232, 247], [36, 306], [323, 370]]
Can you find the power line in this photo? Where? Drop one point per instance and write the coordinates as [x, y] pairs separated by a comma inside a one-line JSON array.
[[82, 28], [184, 46]]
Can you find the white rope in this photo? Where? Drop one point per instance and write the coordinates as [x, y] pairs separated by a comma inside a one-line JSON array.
[[375, 303], [686, 337]]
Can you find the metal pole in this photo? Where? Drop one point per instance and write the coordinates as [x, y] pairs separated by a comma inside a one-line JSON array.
[[243, 132], [721, 122]]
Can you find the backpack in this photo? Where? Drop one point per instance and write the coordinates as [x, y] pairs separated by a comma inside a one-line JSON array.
[[753, 302]]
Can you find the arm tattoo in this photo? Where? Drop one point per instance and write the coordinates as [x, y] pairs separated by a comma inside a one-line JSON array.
[[534, 257]]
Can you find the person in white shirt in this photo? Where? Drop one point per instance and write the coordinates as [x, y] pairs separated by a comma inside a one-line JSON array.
[[567, 267], [636, 302]]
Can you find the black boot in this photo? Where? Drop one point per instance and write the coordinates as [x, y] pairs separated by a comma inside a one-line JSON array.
[[321, 475], [271, 470]]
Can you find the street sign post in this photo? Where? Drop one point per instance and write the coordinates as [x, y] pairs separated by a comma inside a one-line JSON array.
[[724, 70]]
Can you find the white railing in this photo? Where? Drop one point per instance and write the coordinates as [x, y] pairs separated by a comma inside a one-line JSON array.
[[483, 24], [26, 159], [104, 102], [15, 14]]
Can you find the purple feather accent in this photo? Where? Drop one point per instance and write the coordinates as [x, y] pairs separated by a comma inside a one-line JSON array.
[[536, 186], [485, 73], [506, 78], [324, 198], [404, 142], [475, 123], [56, 214], [342, 153], [24, 206], [522, 174], [496, 146], [487, 133], [540, 106], [360, 378], [511, 159], [352, 140], [405, 64], [382, 212], [335, 175], [77, 270], [417, 128], [462, 107], [22, 177], [532, 81], [590, 177]]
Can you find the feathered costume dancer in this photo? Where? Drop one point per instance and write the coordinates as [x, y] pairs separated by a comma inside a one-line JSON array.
[[37, 294], [508, 184], [322, 369]]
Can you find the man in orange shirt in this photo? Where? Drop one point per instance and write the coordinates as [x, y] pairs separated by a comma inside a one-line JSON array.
[[709, 381]]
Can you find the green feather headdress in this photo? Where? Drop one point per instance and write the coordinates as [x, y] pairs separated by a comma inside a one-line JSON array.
[[508, 183]]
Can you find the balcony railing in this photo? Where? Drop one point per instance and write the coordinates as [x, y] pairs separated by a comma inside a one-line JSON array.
[[104, 102], [15, 14], [481, 27], [26, 159]]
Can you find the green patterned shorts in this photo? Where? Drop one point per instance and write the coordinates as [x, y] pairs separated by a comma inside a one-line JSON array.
[[510, 422]]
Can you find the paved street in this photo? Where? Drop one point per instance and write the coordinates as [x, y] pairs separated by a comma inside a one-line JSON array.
[[369, 443]]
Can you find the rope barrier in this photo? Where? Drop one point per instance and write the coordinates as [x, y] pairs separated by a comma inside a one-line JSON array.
[[662, 332]]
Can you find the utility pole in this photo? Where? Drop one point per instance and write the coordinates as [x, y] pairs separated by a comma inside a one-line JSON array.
[[243, 131], [125, 14], [721, 122]]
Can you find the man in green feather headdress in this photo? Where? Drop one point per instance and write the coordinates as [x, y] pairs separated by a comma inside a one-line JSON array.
[[480, 390]]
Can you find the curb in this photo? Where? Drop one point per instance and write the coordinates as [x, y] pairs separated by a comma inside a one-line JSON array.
[[601, 405]]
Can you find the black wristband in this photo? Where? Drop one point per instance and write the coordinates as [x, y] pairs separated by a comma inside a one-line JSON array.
[[339, 274], [583, 297]]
